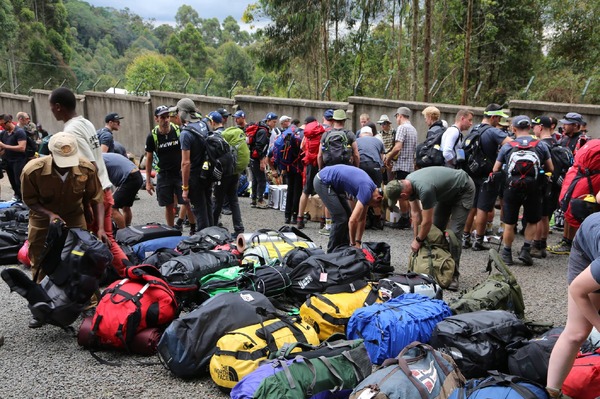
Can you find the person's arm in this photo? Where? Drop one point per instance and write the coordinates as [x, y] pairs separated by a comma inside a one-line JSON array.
[[447, 145], [389, 158], [580, 290], [497, 166], [355, 155], [185, 173], [320, 158], [423, 230], [98, 208], [20, 147], [104, 147], [356, 223], [149, 185]]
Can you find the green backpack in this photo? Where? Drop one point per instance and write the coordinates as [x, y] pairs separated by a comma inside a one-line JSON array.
[[224, 280], [237, 139], [500, 291]]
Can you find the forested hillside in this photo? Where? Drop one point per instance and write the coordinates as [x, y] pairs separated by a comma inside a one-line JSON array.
[[456, 51]]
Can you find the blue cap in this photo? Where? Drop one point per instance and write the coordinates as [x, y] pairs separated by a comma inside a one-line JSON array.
[[328, 114], [270, 116], [239, 114], [215, 116], [521, 121]]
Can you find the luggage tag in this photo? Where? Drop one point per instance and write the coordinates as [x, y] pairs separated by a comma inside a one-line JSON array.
[[323, 278], [368, 393]]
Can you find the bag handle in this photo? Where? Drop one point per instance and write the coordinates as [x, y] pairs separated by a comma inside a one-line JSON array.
[[256, 236], [497, 378]]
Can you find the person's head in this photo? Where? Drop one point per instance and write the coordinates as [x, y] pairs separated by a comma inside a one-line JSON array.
[[62, 104], [394, 191], [339, 118], [385, 123], [6, 122], [215, 119], [240, 118], [174, 115], [366, 131], [23, 118], [542, 126], [572, 123], [431, 114], [187, 110], [271, 120], [309, 119], [363, 119], [224, 114], [285, 122], [328, 116], [464, 119], [493, 114], [63, 149], [554, 122], [113, 121], [521, 125], [376, 198], [403, 115], [162, 117]]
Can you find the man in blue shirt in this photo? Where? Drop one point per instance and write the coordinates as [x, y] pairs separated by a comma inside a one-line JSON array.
[[335, 184], [13, 142], [105, 135]]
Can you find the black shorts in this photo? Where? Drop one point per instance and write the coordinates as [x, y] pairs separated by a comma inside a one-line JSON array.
[[531, 200], [485, 195], [168, 185], [550, 203], [311, 172], [124, 195], [401, 175], [374, 171]]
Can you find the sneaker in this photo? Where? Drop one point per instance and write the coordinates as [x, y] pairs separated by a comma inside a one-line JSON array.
[[287, 221], [324, 231], [178, 226], [253, 204], [562, 248], [35, 323], [226, 211], [478, 246], [262, 204], [489, 229], [525, 256], [300, 224], [506, 256], [466, 242], [453, 284]]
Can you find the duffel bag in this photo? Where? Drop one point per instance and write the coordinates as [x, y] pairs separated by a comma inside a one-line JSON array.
[[299, 255], [418, 372], [320, 272], [146, 248], [186, 270], [204, 240], [221, 281], [499, 292], [135, 234], [583, 382], [499, 385], [239, 352], [381, 252], [189, 342], [267, 251], [160, 256], [437, 257], [529, 358], [477, 341], [338, 368], [409, 283], [329, 313], [390, 326], [269, 280]]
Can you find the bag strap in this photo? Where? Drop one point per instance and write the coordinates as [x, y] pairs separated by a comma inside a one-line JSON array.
[[344, 288], [511, 381], [257, 233]]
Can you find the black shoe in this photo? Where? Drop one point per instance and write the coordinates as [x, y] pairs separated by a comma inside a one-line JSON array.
[[1, 340], [35, 323], [404, 223], [288, 221], [525, 256], [300, 224], [453, 284]]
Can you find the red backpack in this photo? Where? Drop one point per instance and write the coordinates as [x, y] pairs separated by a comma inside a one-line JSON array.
[[312, 140], [141, 300], [251, 131]]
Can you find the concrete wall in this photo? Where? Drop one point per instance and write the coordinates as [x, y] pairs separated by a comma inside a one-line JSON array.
[[13, 103], [42, 112], [205, 104]]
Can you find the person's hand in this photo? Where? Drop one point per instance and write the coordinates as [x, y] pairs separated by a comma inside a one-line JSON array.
[[103, 237], [149, 187], [88, 214], [263, 164], [185, 196], [54, 218], [415, 245]]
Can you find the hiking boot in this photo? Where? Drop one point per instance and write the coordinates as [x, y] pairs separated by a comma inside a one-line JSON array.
[[1, 340], [466, 242], [300, 224], [262, 204], [506, 255], [562, 248], [192, 229], [287, 220], [478, 246], [324, 231], [35, 323], [226, 211], [525, 256], [253, 204], [536, 253], [453, 284]]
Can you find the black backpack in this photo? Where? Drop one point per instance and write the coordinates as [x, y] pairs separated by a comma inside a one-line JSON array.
[[31, 148], [220, 158], [562, 159], [429, 153], [336, 148], [477, 164]]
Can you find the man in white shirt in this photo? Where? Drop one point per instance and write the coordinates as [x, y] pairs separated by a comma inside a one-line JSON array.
[[452, 137]]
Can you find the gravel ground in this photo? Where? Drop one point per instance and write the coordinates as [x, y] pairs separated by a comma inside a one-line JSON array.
[[47, 362]]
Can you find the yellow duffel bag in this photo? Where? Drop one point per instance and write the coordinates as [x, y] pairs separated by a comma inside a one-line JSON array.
[[267, 251], [329, 313], [239, 352]]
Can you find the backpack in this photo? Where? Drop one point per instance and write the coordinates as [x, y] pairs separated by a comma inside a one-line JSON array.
[[523, 164], [429, 153], [418, 372], [31, 148], [312, 140], [286, 149], [237, 140], [499, 291], [409, 283], [477, 164], [133, 235], [583, 382], [562, 159], [141, 300], [220, 159], [251, 131], [336, 148], [437, 257], [499, 385]]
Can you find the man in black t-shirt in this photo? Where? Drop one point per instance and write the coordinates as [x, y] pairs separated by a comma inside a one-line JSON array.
[[13, 142]]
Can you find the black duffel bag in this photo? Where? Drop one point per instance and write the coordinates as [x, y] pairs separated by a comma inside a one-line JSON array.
[[381, 251], [204, 240], [269, 280], [322, 272], [299, 255], [477, 341]]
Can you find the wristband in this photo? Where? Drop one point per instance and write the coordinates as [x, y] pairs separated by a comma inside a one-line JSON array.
[[358, 241], [419, 240], [185, 188]]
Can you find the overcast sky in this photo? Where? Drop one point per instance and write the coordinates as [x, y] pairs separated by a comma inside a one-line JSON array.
[[164, 12]]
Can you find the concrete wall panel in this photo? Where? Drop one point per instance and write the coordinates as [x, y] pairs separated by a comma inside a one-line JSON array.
[[13, 103], [42, 112]]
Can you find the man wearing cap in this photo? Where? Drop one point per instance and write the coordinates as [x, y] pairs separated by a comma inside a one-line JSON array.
[[437, 195], [573, 138], [258, 160], [334, 184], [105, 135], [401, 159], [60, 187], [224, 114], [521, 189], [452, 137], [13, 142], [239, 118], [327, 119], [491, 139], [387, 137], [63, 107], [274, 131], [196, 189]]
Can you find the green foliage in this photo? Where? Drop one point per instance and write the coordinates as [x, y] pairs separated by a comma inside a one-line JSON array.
[[147, 70]]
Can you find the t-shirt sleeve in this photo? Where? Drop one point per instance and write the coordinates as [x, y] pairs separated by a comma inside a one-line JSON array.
[[351, 137], [502, 153], [595, 269], [20, 135], [186, 140], [150, 146], [365, 191], [105, 138]]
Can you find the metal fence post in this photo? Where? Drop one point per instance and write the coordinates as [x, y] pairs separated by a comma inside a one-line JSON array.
[[357, 84], [585, 89], [232, 88], [258, 85], [325, 89], [290, 87], [206, 87]]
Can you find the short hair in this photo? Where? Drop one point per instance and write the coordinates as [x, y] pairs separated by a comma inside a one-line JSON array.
[[6, 117], [22, 114], [463, 113], [366, 116], [64, 97], [432, 112], [295, 122]]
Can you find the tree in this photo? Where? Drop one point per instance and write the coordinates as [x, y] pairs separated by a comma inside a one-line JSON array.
[[187, 15], [147, 70], [235, 64], [188, 46]]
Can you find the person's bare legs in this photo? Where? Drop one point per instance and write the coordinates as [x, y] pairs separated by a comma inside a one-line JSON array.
[[118, 218], [128, 215], [170, 214]]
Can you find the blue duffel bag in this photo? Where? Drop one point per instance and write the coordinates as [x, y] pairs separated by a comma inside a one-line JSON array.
[[500, 386], [147, 248], [387, 328]]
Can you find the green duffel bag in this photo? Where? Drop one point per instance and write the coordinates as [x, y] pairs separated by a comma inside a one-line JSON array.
[[437, 257], [499, 292], [224, 280], [306, 376]]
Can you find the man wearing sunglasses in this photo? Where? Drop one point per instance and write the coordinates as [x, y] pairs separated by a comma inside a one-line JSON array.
[[105, 135]]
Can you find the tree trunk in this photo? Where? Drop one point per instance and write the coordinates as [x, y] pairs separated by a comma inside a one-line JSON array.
[[427, 49], [399, 52], [465, 85], [414, 50]]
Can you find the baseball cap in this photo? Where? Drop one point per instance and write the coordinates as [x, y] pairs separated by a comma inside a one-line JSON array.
[[404, 111], [572, 117], [383, 119], [63, 147], [173, 110], [542, 120], [161, 109], [239, 114], [339, 115], [310, 119], [521, 121], [215, 116], [285, 118], [113, 116], [366, 129], [392, 193], [494, 110], [328, 114], [187, 105], [224, 113], [271, 116]]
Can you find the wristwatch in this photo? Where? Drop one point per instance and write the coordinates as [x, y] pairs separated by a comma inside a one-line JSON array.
[[419, 240]]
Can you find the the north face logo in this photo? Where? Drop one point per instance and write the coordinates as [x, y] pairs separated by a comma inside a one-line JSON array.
[[227, 373]]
